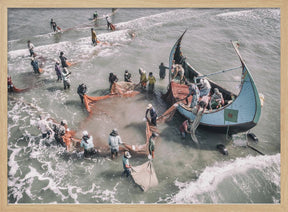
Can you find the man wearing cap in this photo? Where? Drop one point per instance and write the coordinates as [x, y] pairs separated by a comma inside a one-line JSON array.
[[153, 114], [87, 143], [126, 164], [114, 141]]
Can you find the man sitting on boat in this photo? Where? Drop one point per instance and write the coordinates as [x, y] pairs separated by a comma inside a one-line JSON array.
[[178, 70], [205, 87], [194, 91], [217, 99]]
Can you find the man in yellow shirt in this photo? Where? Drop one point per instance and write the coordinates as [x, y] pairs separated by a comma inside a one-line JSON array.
[[94, 37], [152, 81]]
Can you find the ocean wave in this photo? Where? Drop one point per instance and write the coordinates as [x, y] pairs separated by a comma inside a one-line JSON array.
[[211, 177]]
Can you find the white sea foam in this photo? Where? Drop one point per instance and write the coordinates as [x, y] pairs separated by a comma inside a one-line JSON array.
[[212, 176]]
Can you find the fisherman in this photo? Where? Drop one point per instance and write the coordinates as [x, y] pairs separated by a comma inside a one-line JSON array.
[[82, 90], [162, 70], [53, 25], [31, 48], [34, 64], [95, 15], [152, 144], [153, 114], [66, 78], [126, 165], [44, 127], [94, 37], [112, 79], [87, 143], [59, 132], [216, 100], [63, 60], [152, 81], [205, 87], [178, 70], [109, 24], [143, 78], [194, 91], [10, 84], [127, 76], [58, 70], [185, 128], [114, 141], [203, 103]]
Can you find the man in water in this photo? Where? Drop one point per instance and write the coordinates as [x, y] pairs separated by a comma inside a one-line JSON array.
[[152, 81], [63, 60], [162, 70], [59, 132], [53, 25], [153, 114], [58, 70], [44, 127], [34, 64], [87, 143], [126, 165], [114, 141], [94, 37], [109, 24], [127, 76], [185, 128], [112, 79], [95, 15], [30, 47], [82, 90], [152, 144], [66, 78], [10, 84], [143, 78]]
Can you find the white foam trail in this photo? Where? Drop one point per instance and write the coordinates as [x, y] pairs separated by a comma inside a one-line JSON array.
[[212, 176]]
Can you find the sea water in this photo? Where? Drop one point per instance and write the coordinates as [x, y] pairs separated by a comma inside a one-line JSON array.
[[41, 172]]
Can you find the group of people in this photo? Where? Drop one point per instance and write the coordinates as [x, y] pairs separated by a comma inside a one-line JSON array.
[[60, 131]]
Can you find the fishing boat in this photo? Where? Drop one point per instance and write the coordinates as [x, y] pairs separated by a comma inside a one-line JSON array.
[[240, 112]]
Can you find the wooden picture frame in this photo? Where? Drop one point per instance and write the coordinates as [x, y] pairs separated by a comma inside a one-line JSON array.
[[6, 4]]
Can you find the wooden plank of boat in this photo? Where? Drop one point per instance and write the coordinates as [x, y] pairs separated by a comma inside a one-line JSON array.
[[236, 116]]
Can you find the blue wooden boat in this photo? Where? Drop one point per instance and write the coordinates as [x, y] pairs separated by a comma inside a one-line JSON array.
[[238, 114]]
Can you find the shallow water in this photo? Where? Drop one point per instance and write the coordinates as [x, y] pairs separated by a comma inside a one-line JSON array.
[[188, 173]]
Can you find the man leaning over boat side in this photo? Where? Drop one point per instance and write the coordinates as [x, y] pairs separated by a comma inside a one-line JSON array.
[[194, 91]]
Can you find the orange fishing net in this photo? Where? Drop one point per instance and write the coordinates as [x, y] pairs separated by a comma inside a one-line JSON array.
[[123, 89]]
